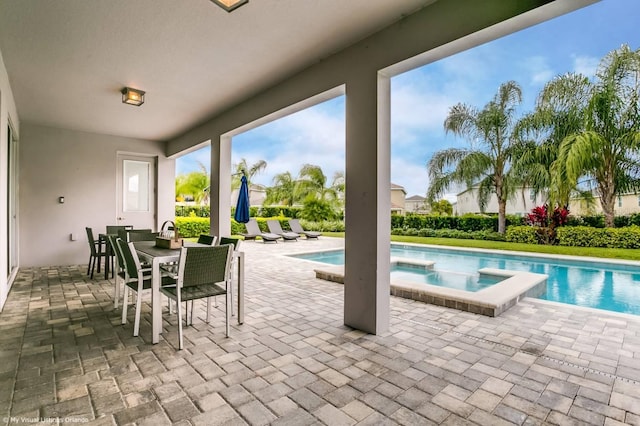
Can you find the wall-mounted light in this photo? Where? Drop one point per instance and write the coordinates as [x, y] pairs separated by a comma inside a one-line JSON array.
[[61, 199], [230, 5], [132, 96]]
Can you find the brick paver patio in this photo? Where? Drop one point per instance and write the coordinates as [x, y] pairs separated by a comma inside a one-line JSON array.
[[65, 358]]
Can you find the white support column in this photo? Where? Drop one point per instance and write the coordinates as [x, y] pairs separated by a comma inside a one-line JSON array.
[[220, 186], [368, 203]]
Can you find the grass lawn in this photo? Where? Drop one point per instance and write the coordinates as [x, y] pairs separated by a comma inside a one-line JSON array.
[[611, 253]]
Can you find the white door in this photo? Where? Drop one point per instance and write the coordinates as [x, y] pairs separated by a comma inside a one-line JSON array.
[[136, 191], [12, 216]]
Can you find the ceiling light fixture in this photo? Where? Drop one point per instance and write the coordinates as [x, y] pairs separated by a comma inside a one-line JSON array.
[[132, 96], [230, 5]]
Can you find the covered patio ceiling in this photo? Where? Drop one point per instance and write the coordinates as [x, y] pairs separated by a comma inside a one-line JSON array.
[[67, 60]]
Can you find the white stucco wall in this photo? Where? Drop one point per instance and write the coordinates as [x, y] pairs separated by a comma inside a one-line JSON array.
[[520, 204], [81, 167], [8, 113]]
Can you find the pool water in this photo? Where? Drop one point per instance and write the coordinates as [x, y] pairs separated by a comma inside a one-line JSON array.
[[450, 279], [599, 285]]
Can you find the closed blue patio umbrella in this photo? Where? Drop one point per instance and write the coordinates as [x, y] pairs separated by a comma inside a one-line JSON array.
[[242, 207]]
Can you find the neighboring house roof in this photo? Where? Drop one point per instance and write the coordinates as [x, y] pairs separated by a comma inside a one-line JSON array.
[[395, 187], [416, 198]]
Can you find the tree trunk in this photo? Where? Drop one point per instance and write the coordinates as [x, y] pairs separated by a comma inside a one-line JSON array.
[[502, 216], [608, 208], [608, 199]]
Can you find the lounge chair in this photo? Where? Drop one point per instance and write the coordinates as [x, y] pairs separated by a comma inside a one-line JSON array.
[[295, 226], [253, 231], [274, 227]]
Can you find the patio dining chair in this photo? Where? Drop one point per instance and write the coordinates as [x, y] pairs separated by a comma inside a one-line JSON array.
[[235, 242], [97, 251], [203, 272], [209, 240], [119, 271], [128, 235], [138, 279], [113, 229]]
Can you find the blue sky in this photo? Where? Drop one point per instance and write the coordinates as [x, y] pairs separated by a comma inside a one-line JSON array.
[[422, 97]]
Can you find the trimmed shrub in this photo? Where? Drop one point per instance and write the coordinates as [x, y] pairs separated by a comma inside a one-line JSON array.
[[397, 231], [237, 228], [521, 234], [584, 236], [325, 225], [427, 232], [488, 236], [190, 227], [411, 232], [474, 222]]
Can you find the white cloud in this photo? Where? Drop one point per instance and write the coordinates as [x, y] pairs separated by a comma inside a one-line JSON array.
[[314, 136], [413, 177], [586, 65], [417, 109], [539, 70]]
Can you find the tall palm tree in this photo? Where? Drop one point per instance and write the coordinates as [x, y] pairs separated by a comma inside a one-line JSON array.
[[249, 171], [608, 148], [492, 148], [195, 183], [283, 190], [558, 113], [312, 183]]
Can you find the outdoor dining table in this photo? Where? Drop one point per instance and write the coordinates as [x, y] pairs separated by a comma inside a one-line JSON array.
[[158, 256]]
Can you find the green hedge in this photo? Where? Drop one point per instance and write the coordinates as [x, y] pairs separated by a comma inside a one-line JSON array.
[[191, 227], [449, 233], [597, 221], [467, 222], [585, 236]]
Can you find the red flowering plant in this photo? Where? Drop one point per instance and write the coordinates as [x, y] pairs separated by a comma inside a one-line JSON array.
[[539, 216], [547, 223]]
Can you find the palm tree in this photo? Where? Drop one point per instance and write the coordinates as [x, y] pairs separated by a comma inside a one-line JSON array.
[[312, 183], [249, 171], [492, 148], [558, 113], [195, 183], [607, 149], [338, 185], [283, 190]]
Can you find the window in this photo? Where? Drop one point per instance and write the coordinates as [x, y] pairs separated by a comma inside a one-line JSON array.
[[619, 200], [532, 194], [136, 186]]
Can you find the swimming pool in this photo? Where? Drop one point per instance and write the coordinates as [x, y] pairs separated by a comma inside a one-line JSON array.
[[594, 284]]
